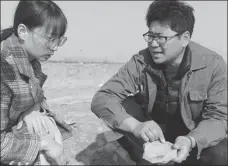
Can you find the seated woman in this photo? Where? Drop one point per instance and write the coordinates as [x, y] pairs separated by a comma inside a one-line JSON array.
[[30, 132]]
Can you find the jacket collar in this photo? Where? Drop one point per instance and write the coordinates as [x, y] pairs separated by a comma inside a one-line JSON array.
[[150, 67], [20, 56], [185, 64], [198, 56]]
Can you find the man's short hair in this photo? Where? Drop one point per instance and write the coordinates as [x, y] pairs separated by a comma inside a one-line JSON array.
[[176, 14]]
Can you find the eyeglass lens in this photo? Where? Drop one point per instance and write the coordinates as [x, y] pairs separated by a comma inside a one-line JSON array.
[[57, 42]]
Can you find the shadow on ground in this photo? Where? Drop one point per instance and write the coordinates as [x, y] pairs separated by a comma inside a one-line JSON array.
[[101, 152]]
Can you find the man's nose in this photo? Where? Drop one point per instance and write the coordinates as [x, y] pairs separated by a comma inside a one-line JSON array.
[[153, 43]]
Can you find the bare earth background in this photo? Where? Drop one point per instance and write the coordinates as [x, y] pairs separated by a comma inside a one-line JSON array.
[[69, 89]]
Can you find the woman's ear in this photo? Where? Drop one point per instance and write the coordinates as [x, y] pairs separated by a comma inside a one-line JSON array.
[[22, 31]]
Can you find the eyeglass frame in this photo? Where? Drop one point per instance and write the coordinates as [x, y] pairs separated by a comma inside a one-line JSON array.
[[167, 38], [50, 38]]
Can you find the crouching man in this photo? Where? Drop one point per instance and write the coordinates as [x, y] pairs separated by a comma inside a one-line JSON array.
[[173, 90]]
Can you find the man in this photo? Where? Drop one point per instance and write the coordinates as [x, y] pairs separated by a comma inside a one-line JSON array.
[[174, 90]]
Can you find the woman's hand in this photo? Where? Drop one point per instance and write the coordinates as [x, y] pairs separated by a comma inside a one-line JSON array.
[[35, 121], [52, 150], [46, 128]]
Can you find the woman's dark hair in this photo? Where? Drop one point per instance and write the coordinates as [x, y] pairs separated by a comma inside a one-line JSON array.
[[178, 15], [35, 14]]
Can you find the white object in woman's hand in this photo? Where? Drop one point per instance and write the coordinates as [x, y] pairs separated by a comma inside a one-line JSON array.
[[35, 121]]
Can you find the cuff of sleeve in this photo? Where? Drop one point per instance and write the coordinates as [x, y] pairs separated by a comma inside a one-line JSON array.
[[112, 122], [44, 105], [119, 116], [22, 149], [33, 149], [201, 141]]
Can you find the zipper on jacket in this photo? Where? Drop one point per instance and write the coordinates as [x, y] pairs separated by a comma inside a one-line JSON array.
[[181, 98]]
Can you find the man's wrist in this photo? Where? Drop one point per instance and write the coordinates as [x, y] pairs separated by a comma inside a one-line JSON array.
[[133, 124], [129, 124]]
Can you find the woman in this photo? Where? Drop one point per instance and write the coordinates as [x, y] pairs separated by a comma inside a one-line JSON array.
[[28, 127]]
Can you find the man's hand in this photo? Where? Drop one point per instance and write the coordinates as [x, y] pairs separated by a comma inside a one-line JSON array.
[[149, 131], [183, 146], [35, 121]]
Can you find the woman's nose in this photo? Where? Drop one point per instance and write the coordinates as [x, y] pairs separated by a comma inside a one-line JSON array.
[[54, 48]]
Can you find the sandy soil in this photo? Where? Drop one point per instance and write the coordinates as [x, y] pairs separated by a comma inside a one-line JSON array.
[[69, 89]]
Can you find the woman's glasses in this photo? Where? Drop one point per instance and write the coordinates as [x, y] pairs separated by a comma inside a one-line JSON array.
[[53, 41]]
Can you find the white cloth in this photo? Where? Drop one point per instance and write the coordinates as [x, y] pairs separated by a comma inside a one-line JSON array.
[[54, 131]]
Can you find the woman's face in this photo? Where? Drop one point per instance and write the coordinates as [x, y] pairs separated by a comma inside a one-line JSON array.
[[37, 44]]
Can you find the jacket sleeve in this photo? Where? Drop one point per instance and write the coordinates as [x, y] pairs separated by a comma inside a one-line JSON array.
[[213, 126], [15, 150], [106, 103]]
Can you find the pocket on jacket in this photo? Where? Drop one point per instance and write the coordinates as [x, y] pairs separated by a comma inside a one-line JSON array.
[[196, 103], [196, 95]]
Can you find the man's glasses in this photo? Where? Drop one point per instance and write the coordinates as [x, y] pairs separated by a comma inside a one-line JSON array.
[[161, 40], [53, 41]]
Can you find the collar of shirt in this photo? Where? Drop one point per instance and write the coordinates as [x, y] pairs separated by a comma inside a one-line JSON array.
[[21, 58], [157, 69]]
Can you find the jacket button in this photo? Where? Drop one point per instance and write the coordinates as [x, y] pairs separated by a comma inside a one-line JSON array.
[[115, 123], [11, 162], [189, 74]]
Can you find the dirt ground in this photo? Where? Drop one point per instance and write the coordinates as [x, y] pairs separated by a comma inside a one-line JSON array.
[[69, 89]]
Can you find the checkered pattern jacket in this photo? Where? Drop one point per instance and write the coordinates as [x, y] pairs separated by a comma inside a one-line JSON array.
[[21, 88]]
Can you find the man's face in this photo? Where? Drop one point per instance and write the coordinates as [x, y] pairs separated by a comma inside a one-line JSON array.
[[169, 50]]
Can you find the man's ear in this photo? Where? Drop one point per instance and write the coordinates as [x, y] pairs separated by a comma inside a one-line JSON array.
[[185, 37], [22, 31]]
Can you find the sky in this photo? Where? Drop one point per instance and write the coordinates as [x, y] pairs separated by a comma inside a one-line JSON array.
[[111, 31]]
